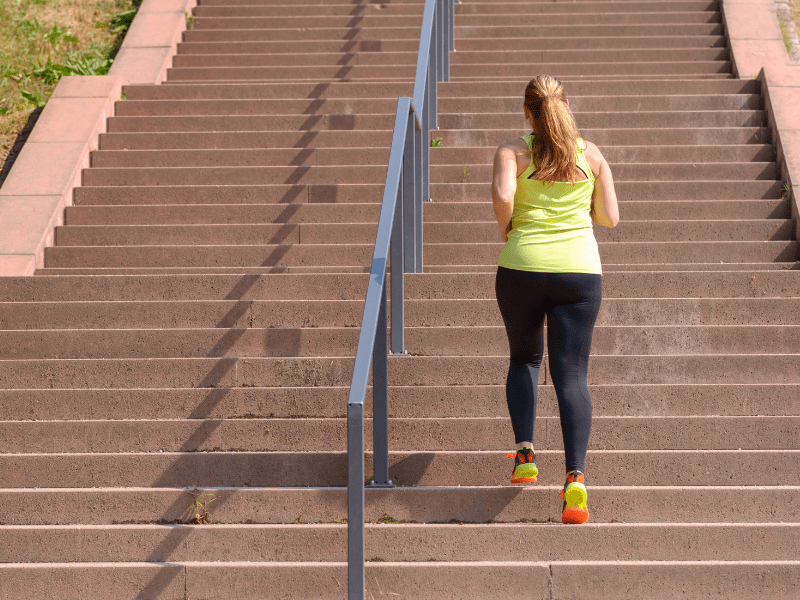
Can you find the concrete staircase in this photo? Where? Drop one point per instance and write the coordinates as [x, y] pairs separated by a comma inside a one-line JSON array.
[[189, 344]]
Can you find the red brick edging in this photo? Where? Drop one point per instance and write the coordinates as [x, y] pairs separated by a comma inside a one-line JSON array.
[[757, 51]]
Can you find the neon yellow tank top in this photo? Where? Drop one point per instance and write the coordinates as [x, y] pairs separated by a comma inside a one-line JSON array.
[[551, 225]]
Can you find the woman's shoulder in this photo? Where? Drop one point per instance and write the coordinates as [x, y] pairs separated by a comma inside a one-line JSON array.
[[593, 155], [517, 145]]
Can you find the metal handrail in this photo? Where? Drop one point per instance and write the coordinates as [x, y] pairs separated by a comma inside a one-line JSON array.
[[399, 236]]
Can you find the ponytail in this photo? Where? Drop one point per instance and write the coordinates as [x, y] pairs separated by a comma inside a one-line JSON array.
[[556, 139]]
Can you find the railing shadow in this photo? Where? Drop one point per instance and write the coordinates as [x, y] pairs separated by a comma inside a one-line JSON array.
[[179, 533]]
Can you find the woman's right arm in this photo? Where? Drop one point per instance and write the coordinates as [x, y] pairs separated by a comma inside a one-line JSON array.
[[504, 186], [605, 210]]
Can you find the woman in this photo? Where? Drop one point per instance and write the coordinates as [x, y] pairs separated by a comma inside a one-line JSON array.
[[548, 187]]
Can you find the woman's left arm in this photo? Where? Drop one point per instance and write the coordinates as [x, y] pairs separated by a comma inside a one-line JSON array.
[[504, 186]]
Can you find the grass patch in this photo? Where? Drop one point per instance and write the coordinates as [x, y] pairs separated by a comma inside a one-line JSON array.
[[43, 40], [786, 43]]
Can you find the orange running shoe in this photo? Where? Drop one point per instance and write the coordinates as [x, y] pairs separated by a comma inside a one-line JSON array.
[[525, 469], [574, 496]]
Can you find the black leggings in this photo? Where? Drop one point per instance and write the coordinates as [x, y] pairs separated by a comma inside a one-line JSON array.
[[570, 301]]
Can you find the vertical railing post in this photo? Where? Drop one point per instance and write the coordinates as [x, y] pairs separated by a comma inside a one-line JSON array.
[[444, 44], [397, 250], [355, 501], [451, 8], [410, 232], [420, 198], [380, 401]]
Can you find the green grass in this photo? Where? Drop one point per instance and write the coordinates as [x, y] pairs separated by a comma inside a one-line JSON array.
[[43, 40], [786, 43]]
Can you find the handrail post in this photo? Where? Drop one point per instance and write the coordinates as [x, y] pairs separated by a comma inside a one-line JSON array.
[[355, 501], [380, 400], [409, 217], [444, 44], [398, 260], [451, 8]]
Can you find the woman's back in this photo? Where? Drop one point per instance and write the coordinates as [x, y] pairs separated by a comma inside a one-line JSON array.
[[551, 225]]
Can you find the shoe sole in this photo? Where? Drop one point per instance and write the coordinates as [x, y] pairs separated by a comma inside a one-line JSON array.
[[575, 511], [525, 474]]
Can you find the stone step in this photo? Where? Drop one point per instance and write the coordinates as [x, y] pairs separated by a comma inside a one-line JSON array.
[[571, 56], [348, 313], [245, 139], [278, 254], [193, 580], [309, 156], [606, 87], [321, 174], [608, 103], [613, 120], [418, 435], [632, 44], [348, 286], [643, 191], [186, 49], [486, 114], [453, 340], [661, 267], [450, 89], [397, 542], [523, 79], [463, 580], [618, 136], [520, 8], [465, 57], [214, 13], [577, 19], [308, 123], [405, 370], [637, 171], [342, 33], [502, 504], [375, 173], [362, 233], [312, 72], [372, 19], [613, 28], [722, 468], [293, 194], [435, 212], [444, 193], [460, 155], [407, 401], [486, 253], [277, 106], [610, 69]]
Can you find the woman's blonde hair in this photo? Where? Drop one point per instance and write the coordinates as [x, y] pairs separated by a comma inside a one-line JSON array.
[[556, 139]]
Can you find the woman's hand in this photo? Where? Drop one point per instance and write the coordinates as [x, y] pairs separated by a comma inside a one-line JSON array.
[[504, 186]]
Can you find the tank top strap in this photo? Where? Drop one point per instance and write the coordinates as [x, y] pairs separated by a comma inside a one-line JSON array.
[[528, 140], [583, 163]]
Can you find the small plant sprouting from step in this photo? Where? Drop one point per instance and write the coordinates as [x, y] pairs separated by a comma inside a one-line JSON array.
[[785, 192], [464, 172], [123, 96], [189, 20], [436, 142], [385, 519], [199, 507], [300, 520], [786, 41]]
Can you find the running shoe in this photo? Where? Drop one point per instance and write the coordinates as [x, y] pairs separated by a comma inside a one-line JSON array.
[[574, 496], [525, 469]]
